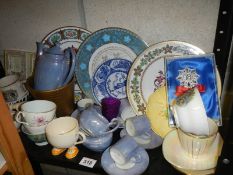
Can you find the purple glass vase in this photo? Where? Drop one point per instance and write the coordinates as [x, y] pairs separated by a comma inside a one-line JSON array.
[[110, 107]]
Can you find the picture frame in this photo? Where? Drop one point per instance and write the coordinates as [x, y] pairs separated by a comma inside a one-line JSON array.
[[19, 62]]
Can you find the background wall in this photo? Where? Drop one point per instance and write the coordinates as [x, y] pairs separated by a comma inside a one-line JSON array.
[[193, 21], [26, 21]]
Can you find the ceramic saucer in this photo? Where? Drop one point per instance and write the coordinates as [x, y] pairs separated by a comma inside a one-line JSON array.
[[196, 172], [150, 141], [110, 167], [174, 154]]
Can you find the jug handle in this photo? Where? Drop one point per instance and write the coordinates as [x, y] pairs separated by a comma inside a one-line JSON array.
[[70, 75]]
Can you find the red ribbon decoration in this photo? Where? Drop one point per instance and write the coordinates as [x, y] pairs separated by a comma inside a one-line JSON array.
[[180, 90]]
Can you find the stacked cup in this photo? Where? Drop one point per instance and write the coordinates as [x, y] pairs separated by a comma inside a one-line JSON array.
[[98, 129], [196, 131], [34, 117], [139, 128], [124, 153]]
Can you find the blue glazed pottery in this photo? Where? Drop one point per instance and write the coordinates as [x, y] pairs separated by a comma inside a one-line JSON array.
[[54, 68], [109, 165], [98, 144], [96, 124]]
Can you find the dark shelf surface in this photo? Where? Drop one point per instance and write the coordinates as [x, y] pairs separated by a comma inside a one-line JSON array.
[[42, 154]]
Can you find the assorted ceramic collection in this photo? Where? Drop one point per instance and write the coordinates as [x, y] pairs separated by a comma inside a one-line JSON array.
[[115, 65]]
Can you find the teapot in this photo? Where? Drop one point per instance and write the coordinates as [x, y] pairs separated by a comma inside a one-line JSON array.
[[53, 67]]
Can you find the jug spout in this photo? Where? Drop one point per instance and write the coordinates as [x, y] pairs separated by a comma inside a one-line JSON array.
[[40, 48]]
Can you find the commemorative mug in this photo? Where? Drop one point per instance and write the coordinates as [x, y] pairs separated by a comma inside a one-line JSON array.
[[190, 114]]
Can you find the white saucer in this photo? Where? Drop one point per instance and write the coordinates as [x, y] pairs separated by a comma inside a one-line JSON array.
[[110, 167], [153, 140], [175, 154]]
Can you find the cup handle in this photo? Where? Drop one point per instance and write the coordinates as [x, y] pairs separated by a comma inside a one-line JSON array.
[[18, 119], [173, 109], [83, 138], [116, 122]]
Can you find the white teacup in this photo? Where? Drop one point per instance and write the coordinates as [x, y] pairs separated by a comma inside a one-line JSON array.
[[64, 132], [124, 151], [190, 114], [12, 88], [35, 129], [36, 112], [197, 145]]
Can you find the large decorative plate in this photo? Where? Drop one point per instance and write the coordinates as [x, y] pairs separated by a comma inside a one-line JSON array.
[[109, 80], [66, 36], [103, 45], [147, 73]]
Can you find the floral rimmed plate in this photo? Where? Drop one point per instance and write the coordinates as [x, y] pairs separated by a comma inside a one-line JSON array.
[[66, 36], [147, 73], [103, 45]]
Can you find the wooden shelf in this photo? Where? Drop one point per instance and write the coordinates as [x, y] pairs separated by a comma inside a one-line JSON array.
[[3, 169], [11, 147]]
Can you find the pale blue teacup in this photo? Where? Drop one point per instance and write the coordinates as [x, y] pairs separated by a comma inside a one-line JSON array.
[[138, 125], [95, 123], [124, 152]]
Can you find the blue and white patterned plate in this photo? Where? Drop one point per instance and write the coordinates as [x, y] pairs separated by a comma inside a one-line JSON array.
[[103, 45], [109, 80]]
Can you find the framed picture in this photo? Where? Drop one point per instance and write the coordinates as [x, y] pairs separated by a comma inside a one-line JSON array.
[[19, 62]]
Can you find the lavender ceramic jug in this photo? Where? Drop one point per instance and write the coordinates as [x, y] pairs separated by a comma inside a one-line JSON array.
[[54, 67]]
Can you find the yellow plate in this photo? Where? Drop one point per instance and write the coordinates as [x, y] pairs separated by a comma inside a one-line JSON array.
[[157, 112]]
